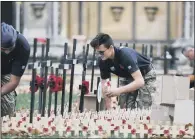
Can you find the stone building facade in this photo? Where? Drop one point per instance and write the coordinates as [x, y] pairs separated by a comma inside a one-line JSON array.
[[140, 22], [89, 18]]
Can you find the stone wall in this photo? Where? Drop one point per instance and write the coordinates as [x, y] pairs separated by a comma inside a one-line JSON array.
[[123, 29]]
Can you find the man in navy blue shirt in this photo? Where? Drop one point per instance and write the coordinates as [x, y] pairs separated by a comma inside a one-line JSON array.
[[138, 76], [15, 52]]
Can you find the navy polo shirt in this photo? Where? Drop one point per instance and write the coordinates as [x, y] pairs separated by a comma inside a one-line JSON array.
[[15, 62], [125, 62]]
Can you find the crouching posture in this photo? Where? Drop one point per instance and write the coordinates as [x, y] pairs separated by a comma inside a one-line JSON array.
[[138, 78], [15, 52]]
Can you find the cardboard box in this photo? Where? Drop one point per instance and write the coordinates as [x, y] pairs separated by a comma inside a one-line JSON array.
[[161, 113], [90, 102], [174, 88], [184, 112]]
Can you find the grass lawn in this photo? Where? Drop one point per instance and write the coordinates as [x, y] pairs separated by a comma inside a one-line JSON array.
[[23, 100]]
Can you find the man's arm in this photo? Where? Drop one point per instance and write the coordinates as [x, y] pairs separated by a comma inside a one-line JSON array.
[[136, 84], [11, 85], [129, 61], [104, 91], [104, 74]]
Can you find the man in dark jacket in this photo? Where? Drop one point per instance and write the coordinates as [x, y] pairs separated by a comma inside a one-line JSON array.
[[15, 52]]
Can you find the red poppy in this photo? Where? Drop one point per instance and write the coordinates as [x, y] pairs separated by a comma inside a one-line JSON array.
[[49, 123], [116, 128], [148, 117], [150, 131], [23, 118], [29, 129], [124, 121], [45, 129], [38, 118], [53, 128], [145, 127], [68, 129], [85, 128], [133, 131], [108, 83], [129, 126], [181, 132], [166, 132], [19, 122], [100, 128]]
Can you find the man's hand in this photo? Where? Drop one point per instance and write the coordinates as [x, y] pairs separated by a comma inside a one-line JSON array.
[[112, 92]]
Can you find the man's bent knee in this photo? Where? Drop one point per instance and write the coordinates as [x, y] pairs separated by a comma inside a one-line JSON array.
[[8, 103]]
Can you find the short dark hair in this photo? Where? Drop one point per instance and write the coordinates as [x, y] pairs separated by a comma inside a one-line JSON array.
[[185, 49], [100, 39]]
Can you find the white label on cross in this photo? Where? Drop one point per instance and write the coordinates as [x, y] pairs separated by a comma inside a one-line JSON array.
[[74, 61]]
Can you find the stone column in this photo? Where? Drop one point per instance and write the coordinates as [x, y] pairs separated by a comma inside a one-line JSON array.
[[64, 17], [36, 19]]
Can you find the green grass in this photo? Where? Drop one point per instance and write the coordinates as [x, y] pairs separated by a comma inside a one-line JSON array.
[[23, 100]]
